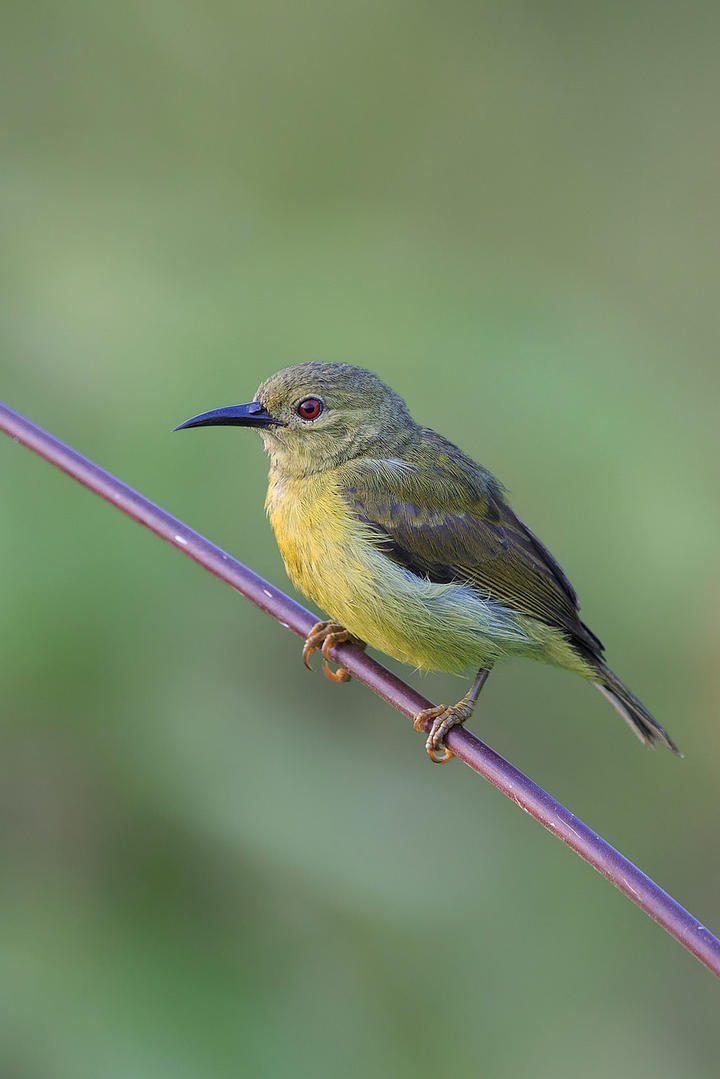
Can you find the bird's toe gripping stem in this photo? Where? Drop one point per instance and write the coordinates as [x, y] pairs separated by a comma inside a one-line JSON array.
[[442, 719], [323, 636]]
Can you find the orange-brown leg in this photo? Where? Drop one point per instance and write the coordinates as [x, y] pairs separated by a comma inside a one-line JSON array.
[[323, 636], [442, 719]]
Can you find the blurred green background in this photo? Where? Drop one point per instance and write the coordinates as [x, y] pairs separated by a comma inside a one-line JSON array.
[[510, 213]]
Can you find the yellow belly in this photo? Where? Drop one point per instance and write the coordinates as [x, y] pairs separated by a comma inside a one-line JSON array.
[[335, 560]]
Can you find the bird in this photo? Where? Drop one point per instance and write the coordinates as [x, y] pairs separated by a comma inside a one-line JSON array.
[[409, 545]]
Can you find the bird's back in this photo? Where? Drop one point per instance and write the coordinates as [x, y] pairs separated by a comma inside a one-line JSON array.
[[442, 516]]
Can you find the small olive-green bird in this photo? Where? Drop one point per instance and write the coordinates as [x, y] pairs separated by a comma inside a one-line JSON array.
[[408, 544]]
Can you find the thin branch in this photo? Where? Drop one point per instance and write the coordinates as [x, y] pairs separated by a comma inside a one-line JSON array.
[[526, 794]]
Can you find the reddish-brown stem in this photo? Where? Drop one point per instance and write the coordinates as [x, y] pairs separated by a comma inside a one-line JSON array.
[[526, 794]]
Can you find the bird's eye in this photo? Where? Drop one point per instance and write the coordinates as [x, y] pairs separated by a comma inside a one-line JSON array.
[[310, 408]]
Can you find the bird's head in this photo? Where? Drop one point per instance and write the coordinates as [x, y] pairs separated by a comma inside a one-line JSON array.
[[313, 416]]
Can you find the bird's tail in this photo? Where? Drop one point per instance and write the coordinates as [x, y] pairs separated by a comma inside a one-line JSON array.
[[632, 710]]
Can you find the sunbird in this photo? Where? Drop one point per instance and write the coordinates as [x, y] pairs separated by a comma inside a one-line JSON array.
[[409, 545]]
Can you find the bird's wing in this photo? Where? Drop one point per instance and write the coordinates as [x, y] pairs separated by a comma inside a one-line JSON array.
[[444, 518]]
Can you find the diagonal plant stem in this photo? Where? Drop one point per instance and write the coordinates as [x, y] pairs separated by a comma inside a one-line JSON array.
[[533, 799]]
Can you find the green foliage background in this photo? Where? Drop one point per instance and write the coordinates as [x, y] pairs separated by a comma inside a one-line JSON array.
[[214, 864]]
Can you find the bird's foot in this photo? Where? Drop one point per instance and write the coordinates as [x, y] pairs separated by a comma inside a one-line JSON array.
[[442, 720], [322, 637]]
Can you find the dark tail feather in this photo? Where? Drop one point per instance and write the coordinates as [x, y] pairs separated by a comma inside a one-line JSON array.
[[632, 710]]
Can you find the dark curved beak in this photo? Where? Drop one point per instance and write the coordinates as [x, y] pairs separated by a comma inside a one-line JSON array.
[[252, 415]]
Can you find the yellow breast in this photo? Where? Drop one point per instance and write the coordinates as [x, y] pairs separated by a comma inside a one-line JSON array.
[[319, 540]]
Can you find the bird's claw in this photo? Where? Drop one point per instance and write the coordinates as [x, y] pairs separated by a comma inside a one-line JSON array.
[[323, 636], [441, 719]]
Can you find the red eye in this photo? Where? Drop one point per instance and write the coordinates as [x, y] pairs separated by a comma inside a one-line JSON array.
[[310, 408]]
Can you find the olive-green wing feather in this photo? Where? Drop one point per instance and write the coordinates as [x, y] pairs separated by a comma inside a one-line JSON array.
[[443, 517]]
